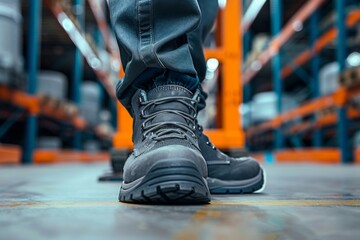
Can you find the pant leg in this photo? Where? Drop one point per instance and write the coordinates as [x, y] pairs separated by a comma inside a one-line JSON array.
[[158, 35], [209, 9]]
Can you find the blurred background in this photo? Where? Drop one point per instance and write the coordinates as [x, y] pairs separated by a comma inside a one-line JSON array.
[[288, 93], [283, 78]]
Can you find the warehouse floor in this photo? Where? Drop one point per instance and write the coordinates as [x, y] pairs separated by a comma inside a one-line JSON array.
[[67, 202]]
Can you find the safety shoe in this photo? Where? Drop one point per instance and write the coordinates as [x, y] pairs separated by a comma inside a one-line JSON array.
[[166, 165], [227, 174]]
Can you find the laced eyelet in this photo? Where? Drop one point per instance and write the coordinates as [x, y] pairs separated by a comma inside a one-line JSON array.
[[208, 143], [142, 113]]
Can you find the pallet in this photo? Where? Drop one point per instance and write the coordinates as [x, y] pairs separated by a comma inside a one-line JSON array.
[[58, 108], [327, 111], [350, 77]]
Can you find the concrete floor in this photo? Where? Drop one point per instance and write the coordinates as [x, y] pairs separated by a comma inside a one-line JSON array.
[[67, 202]]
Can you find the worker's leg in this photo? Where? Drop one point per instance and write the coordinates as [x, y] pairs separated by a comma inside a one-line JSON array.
[[160, 90], [239, 175], [153, 36]]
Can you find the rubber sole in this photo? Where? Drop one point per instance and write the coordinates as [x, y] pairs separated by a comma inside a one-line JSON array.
[[168, 182], [247, 186]]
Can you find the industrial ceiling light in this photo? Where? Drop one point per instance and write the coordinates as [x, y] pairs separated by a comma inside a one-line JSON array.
[[222, 3], [353, 59], [212, 64]]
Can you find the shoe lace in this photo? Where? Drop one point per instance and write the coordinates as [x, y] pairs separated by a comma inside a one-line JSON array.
[[164, 130], [208, 142]]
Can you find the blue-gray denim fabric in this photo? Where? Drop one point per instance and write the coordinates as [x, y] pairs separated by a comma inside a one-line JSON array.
[[157, 36]]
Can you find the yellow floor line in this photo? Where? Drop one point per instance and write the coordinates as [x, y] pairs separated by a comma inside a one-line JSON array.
[[287, 203], [214, 203]]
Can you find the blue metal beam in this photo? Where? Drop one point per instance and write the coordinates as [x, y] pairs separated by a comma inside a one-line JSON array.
[[35, 15], [113, 111], [276, 24], [315, 66], [78, 69], [296, 140], [30, 139], [343, 129], [35, 8], [246, 44], [247, 36], [341, 28], [246, 50], [247, 88]]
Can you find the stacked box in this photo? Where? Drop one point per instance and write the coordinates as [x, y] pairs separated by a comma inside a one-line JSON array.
[[350, 77]]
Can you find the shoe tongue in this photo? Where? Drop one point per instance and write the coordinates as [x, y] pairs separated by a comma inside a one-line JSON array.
[[169, 91]]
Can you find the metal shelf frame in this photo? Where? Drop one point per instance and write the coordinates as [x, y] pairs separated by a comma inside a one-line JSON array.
[[281, 125], [29, 104], [281, 37], [77, 35]]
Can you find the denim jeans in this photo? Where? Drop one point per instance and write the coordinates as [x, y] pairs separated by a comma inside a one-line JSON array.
[[161, 36]]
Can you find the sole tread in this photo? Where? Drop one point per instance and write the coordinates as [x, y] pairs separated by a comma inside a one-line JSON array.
[[167, 194], [174, 185]]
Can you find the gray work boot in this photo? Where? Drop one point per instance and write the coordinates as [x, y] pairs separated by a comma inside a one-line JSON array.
[[228, 174], [166, 165]]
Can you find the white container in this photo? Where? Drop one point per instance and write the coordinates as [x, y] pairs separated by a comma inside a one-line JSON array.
[[90, 102], [328, 77], [264, 106], [245, 115], [357, 140], [11, 35], [53, 84]]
